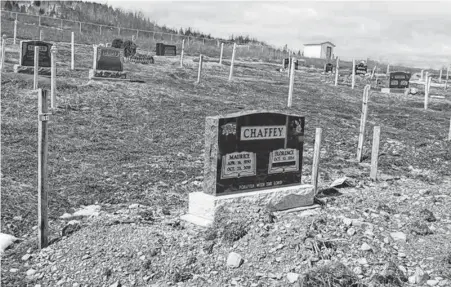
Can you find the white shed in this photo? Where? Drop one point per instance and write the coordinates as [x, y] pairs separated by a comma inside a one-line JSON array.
[[323, 50]]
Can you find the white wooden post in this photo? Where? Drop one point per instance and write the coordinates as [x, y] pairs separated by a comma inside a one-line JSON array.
[[363, 122], [15, 31], [440, 77], [426, 92], [94, 62], [449, 134], [283, 63], [233, 60], [375, 152], [36, 67], [372, 74], [422, 76], [336, 72], [199, 71], [290, 89], [181, 54], [43, 224], [353, 74], [137, 34], [41, 35], [100, 29], [53, 78], [447, 74], [316, 156], [80, 27], [133, 38], [388, 69], [72, 62], [220, 55], [3, 52]]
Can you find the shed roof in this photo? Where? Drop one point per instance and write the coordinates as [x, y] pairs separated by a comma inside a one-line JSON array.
[[319, 44]]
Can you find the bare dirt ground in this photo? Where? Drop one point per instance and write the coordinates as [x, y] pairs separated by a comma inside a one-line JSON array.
[[118, 143]]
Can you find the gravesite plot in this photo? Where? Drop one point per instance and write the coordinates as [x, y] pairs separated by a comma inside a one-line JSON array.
[[258, 154], [248, 182], [107, 64], [26, 57]]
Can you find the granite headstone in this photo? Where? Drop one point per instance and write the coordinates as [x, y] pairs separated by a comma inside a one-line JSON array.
[[253, 150], [109, 59], [399, 80], [361, 69], [27, 53], [329, 68]]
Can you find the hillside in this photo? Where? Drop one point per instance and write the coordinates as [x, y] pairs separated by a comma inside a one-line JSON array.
[[59, 18]]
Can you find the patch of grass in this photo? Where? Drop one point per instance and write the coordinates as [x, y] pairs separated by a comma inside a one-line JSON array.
[[334, 274]]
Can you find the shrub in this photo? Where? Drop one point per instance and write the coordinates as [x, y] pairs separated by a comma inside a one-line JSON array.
[[129, 48], [117, 43]]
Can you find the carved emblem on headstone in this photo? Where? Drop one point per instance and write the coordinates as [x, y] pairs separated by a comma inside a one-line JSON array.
[[229, 129]]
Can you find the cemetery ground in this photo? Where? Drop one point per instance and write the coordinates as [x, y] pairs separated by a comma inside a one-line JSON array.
[[135, 150]]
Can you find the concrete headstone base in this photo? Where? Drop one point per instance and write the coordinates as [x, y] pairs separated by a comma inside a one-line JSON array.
[[203, 208], [107, 75], [30, 70]]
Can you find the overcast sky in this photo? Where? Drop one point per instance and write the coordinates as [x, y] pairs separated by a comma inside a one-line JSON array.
[[410, 33]]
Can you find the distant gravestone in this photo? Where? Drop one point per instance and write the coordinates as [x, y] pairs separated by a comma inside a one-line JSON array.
[[329, 68], [253, 153], [166, 50], [286, 64], [361, 69], [399, 80], [26, 57], [107, 63]]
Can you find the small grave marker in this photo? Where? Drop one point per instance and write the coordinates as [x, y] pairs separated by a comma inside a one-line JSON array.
[[361, 69], [251, 154], [328, 68], [26, 57], [399, 80], [107, 64], [166, 50]]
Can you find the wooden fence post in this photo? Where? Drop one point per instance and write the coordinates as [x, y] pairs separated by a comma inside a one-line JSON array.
[[447, 74], [290, 89], [72, 58], [316, 156], [100, 29], [422, 75], [61, 24], [426, 92], [181, 54], [137, 34], [3, 52], [118, 31], [53, 51], [39, 19], [43, 118], [372, 73], [36, 67], [375, 152], [353, 74], [199, 71], [363, 117], [388, 69], [440, 77], [336, 72], [15, 31], [449, 133], [233, 60], [220, 55], [80, 27], [94, 62]]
